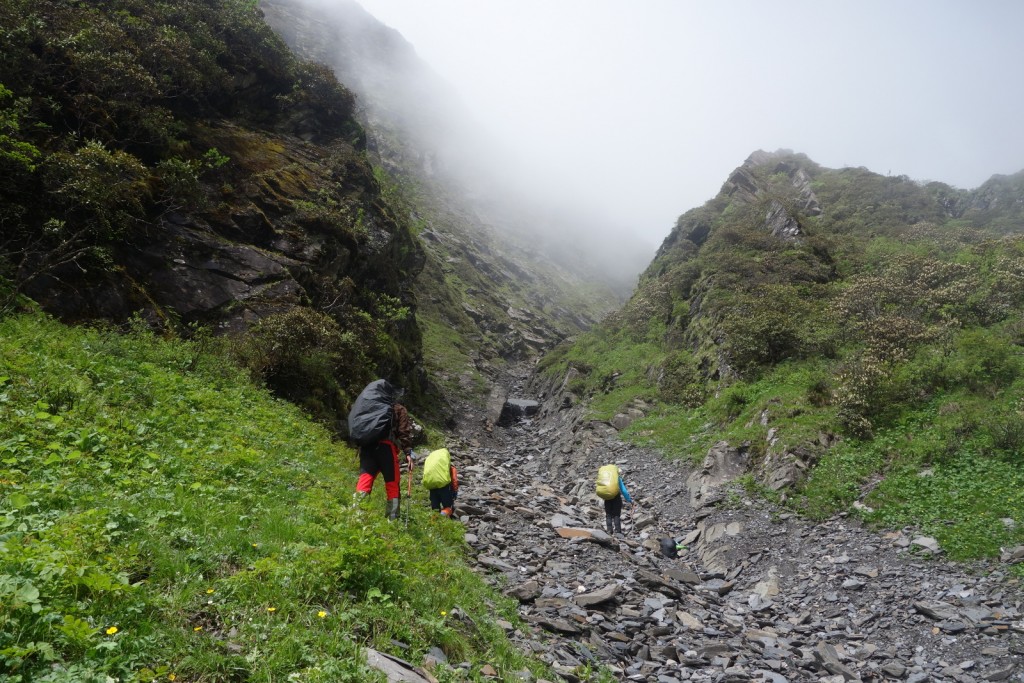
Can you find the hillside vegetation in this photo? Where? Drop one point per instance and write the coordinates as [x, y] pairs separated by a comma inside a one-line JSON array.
[[197, 173], [162, 518], [858, 338]]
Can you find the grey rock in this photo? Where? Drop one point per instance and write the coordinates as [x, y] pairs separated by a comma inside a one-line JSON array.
[[828, 658], [937, 610], [597, 597], [1002, 672], [894, 670], [526, 592], [397, 670]]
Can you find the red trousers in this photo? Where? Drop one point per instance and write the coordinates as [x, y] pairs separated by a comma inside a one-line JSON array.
[[381, 458]]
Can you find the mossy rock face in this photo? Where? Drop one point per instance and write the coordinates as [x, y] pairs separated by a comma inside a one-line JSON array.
[[250, 245], [283, 225], [216, 179]]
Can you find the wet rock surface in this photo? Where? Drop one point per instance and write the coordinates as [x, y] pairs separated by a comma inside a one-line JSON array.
[[755, 594]]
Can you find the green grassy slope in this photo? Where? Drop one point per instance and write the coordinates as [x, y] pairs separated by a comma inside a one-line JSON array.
[[161, 518]]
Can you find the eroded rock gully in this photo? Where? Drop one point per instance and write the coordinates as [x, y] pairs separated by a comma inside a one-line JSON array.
[[756, 594]]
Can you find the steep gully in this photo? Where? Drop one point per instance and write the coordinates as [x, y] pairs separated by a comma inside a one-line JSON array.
[[756, 593]]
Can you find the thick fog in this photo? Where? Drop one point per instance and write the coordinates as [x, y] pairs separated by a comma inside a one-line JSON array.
[[640, 108]]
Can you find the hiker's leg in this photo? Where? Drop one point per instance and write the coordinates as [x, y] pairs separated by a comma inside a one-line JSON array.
[[608, 516], [388, 463], [435, 499], [368, 469], [387, 456], [613, 508], [447, 497]]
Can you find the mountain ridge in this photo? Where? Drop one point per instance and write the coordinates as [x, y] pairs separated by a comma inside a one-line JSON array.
[[499, 275], [833, 330]]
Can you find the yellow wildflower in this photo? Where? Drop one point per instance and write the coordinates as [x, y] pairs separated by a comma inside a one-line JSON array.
[[271, 609], [321, 614], [209, 590], [198, 628], [112, 630]]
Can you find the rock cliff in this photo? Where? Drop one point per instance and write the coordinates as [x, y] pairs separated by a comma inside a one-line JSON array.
[[217, 181]]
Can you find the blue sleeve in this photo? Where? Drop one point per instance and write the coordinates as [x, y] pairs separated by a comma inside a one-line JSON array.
[[623, 491]]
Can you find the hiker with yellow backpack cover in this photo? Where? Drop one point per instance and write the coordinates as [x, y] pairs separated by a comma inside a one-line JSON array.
[[442, 480], [612, 489]]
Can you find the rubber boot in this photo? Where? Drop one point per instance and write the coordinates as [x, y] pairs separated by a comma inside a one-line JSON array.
[[608, 524], [393, 506]]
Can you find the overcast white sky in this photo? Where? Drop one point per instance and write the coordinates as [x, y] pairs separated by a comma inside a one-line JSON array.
[[641, 108]]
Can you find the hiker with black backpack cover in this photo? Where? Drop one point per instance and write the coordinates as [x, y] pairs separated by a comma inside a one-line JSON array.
[[612, 489], [380, 426]]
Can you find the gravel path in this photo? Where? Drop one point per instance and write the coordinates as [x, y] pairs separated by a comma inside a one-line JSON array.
[[756, 593]]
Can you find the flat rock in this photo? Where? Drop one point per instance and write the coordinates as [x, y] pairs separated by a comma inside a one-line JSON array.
[[397, 670], [597, 597]]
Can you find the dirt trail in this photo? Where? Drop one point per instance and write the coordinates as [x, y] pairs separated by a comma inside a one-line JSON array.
[[756, 594]]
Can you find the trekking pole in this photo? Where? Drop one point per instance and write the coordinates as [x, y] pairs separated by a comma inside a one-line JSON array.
[[408, 503]]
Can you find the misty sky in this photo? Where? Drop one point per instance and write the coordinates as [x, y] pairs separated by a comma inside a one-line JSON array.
[[641, 108]]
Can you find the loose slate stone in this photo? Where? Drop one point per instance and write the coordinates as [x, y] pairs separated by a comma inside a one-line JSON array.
[[556, 624], [952, 626], [665, 610], [495, 563], [397, 670], [594, 535], [689, 621], [657, 583], [937, 610], [526, 592], [597, 597], [927, 542], [1001, 672], [828, 658], [894, 670]]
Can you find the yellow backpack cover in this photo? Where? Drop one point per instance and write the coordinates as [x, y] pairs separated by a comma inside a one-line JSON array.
[[607, 482], [436, 469]]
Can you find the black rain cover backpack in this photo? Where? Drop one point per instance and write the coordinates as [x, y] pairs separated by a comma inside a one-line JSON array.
[[369, 421]]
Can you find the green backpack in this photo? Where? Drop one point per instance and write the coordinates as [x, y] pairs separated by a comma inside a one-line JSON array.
[[607, 482], [437, 469]]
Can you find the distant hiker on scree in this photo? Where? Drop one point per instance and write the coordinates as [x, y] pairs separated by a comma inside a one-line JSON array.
[[381, 427], [611, 489], [442, 480]]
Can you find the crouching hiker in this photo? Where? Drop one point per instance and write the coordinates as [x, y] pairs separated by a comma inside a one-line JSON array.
[[612, 489], [380, 426], [442, 480]]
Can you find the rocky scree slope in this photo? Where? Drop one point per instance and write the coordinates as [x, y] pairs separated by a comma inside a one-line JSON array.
[[756, 593]]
